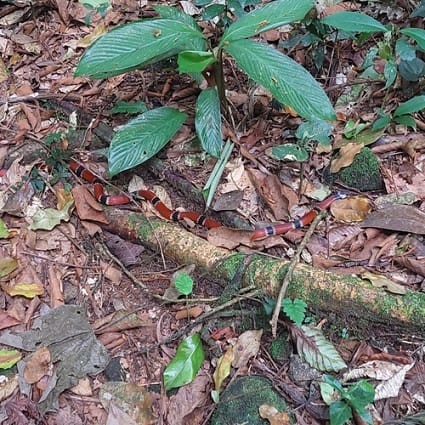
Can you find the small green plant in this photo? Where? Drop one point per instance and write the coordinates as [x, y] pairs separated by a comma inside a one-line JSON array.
[[138, 44], [344, 401], [183, 283]]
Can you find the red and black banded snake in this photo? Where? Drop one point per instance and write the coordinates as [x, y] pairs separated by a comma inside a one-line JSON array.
[[258, 234]]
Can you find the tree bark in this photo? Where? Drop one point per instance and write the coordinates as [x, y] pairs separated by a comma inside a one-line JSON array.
[[343, 295]]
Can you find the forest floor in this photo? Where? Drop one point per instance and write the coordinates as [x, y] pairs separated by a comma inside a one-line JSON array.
[[112, 316]]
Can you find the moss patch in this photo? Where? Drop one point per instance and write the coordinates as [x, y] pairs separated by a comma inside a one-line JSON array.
[[240, 401], [362, 174]]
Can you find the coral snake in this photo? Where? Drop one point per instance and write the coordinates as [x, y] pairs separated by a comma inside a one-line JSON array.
[[258, 234]]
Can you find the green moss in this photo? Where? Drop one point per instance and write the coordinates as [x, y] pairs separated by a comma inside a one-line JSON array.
[[362, 174], [280, 349], [240, 401]]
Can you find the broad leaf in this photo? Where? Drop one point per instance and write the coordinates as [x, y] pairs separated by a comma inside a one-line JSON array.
[[390, 73], [418, 34], [9, 358], [170, 12], [193, 61], [294, 309], [288, 81], [414, 104], [272, 15], [406, 120], [339, 413], [289, 152], [183, 283], [208, 121], [354, 22], [412, 70], [185, 364], [136, 45], [317, 351], [143, 137], [404, 49]]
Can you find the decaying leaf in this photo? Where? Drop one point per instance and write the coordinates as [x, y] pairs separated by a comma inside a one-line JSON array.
[[222, 370], [400, 218], [273, 415], [27, 290], [247, 346], [380, 281], [37, 365], [346, 156], [351, 210]]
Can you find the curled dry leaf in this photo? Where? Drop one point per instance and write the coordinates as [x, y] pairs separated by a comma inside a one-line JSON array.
[[351, 210], [273, 415], [346, 156], [246, 346], [379, 281]]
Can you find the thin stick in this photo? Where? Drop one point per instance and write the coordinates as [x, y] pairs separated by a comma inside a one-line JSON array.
[[290, 272]]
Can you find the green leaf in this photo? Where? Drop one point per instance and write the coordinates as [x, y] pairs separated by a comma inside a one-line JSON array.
[[4, 233], [339, 412], [294, 309], [272, 15], [283, 77], [183, 283], [289, 152], [215, 176], [9, 358], [208, 121], [317, 351], [353, 22], [333, 382], [185, 364], [404, 49], [143, 137], [414, 104], [7, 266], [412, 70], [390, 73], [316, 130], [123, 107], [418, 34], [405, 120], [381, 123], [193, 61], [175, 14], [49, 218], [360, 394], [136, 45]]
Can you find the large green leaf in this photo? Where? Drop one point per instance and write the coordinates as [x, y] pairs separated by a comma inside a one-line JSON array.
[[414, 104], [192, 61], [354, 22], [138, 44], [208, 121], [272, 15], [288, 81], [418, 34], [142, 137], [170, 12], [185, 364]]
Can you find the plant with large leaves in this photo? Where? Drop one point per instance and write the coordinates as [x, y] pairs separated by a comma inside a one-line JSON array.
[[138, 44]]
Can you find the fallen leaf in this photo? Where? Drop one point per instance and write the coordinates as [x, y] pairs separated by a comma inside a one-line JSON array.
[[246, 347], [351, 210], [9, 358], [273, 415], [346, 156], [37, 365], [222, 371], [380, 281], [7, 266], [6, 320], [400, 218], [27, 290]]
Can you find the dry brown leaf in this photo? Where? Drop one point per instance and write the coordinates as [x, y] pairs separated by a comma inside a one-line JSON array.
[[189, 313], [83, 387], [273, 415], [6, 321], [346, 156], [87, 207], [111, 273], [37, 366], [247, 346], [351, 210]]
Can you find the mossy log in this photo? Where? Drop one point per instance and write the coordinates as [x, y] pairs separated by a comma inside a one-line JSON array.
[[345, 295]]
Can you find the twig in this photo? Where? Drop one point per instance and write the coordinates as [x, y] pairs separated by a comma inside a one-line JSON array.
[[199, 320], [290, 271]]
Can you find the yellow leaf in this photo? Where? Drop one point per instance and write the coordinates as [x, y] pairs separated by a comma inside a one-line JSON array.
[[8, 358], [27, 290], [90, 38], [222, 371], [7, 266], [380, 281], [346, 156], [351, 210]]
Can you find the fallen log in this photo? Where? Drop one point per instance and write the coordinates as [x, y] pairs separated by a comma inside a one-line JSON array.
[[346, 296]]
